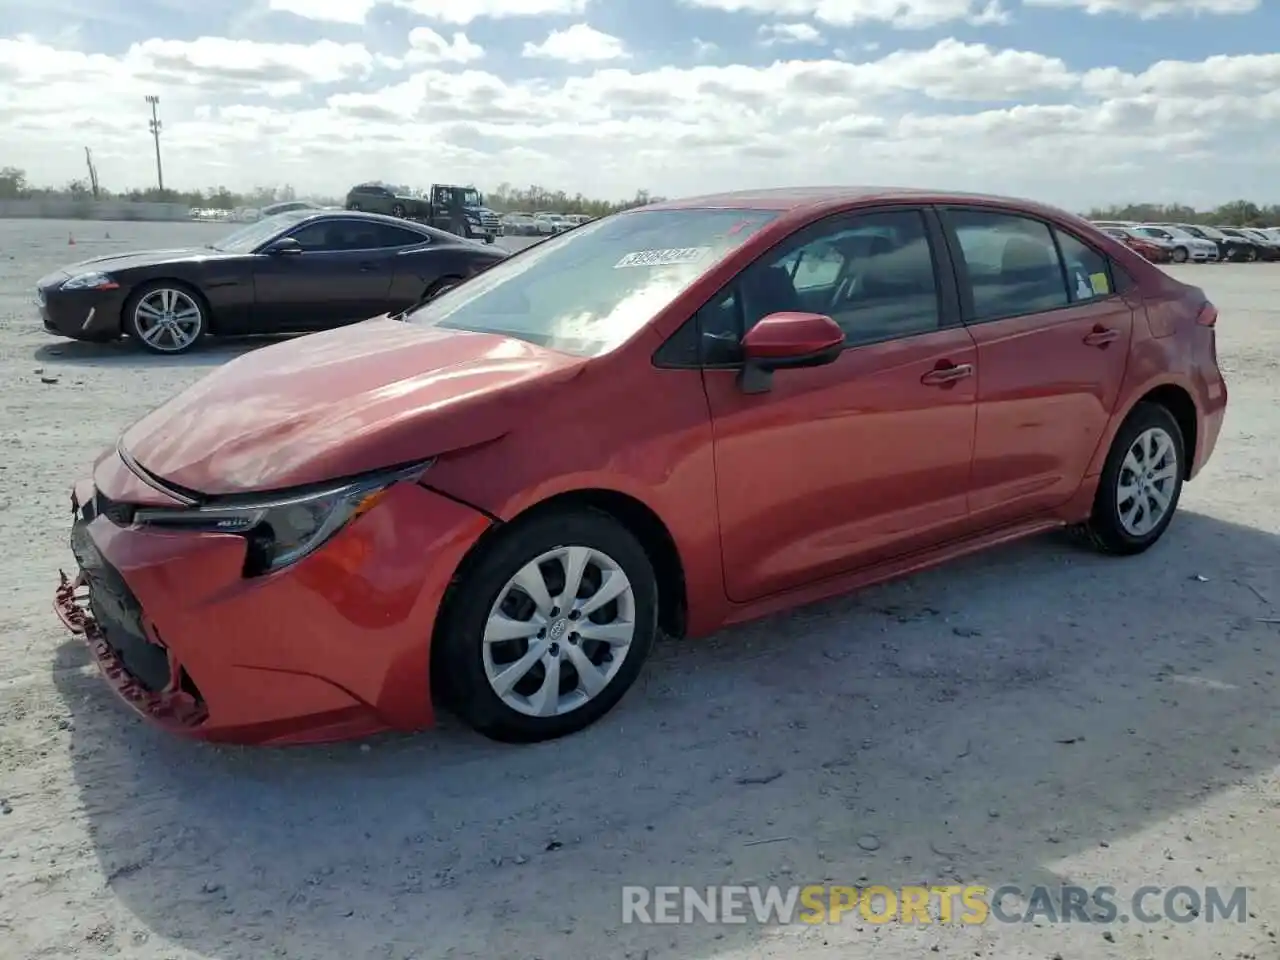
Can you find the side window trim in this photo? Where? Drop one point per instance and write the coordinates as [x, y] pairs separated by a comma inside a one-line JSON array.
[[946, 284]]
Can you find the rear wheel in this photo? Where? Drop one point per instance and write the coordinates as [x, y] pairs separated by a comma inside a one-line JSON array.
[[549, 629], [1140, 484], [440, 286]]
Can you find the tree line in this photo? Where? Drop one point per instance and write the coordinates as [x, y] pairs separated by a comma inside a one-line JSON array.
[[1237, 213], [507, 198]]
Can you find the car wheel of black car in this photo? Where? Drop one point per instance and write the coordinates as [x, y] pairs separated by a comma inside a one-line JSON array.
[[440, 286], [547, 629], [397, 210], [353, 205], [1140, 484], [166, 316], [1250, 255]]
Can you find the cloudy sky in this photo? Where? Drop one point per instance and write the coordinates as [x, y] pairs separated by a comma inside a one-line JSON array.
[[1075, 102]]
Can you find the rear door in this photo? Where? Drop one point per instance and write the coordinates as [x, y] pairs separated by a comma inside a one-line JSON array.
[[841, 466], [343, 275], [1053, 342]]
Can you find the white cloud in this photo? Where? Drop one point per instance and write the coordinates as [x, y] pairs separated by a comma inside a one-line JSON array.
[[460, 12], [579, 43], [427, 46], [906, 14], [790, 33], [322, 116], [1152, 9]]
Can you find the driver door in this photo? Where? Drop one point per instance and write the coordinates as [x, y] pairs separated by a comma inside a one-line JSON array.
[[342, 275], [843, 466]]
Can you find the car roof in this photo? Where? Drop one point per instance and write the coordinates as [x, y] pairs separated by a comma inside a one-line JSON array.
[[832, 198]]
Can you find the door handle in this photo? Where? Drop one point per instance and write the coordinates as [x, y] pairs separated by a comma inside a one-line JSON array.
[[1100, 337], [942, 376]]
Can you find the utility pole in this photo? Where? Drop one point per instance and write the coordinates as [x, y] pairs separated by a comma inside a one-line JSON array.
[[155, 133], [93, 172]]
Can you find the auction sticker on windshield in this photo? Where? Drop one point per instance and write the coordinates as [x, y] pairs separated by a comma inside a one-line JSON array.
[[663, 258]]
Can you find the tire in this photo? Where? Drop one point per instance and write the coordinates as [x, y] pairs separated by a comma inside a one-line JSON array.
[[463, 662], [185, 330], [1106, 529], [1250, 255], [397, 210], [1180, 254]]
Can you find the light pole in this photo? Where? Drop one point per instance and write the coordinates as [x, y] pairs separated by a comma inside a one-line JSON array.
[[155, 133]]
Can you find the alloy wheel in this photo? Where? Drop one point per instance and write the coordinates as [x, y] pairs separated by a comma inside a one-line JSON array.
[[559, 631], [168, 320], [1147, 481]]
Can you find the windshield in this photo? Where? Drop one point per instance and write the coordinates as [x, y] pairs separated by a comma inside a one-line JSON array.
[[1152, 232], [247, 239], [1232, 233], [472, 198], [1211, 233], [589, 290]]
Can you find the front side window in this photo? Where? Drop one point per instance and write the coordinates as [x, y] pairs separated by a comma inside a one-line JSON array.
[[589, 290], [1012, 263], [331, 236], [873, 274]]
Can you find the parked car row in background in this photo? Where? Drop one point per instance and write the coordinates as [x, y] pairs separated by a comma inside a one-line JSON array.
[[541, 224], [1190, 242]]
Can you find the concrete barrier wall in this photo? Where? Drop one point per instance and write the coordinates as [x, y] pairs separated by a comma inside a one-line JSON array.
[[57, 208]]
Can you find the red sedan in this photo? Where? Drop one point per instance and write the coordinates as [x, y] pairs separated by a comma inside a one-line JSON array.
[[1150, 248], [676, 418]]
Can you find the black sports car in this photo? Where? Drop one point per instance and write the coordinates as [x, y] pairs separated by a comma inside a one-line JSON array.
[[297, 271]]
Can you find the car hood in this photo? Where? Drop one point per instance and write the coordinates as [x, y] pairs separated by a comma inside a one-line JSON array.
[[376, 394], [116, 262]]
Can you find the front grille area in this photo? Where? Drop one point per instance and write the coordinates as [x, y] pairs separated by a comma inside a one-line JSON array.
[[119, 614]]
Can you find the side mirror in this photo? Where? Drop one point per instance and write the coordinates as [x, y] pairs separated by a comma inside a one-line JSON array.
[[285, 246], [784, 341]]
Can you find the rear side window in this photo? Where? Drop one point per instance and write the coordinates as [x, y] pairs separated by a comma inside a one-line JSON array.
[[396, 237], [1088, 272], [1012, 263]]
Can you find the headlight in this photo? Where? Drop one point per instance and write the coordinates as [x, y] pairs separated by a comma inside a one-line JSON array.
[[284, 528], [89, 281]]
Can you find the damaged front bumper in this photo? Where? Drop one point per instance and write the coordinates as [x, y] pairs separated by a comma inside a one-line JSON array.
[[170, 706]]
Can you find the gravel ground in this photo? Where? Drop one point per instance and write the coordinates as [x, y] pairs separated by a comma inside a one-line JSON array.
[[1033, 715]]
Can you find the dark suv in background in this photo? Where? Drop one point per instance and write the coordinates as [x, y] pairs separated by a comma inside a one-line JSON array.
[[381, 198]]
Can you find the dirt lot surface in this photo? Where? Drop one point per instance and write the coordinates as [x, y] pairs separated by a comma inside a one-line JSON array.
[[1036, 715]]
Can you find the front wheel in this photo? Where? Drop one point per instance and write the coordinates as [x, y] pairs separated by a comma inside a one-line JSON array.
[[1179, 254], [1140, 484], [166, 317], [397, 210], [549, 628]]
